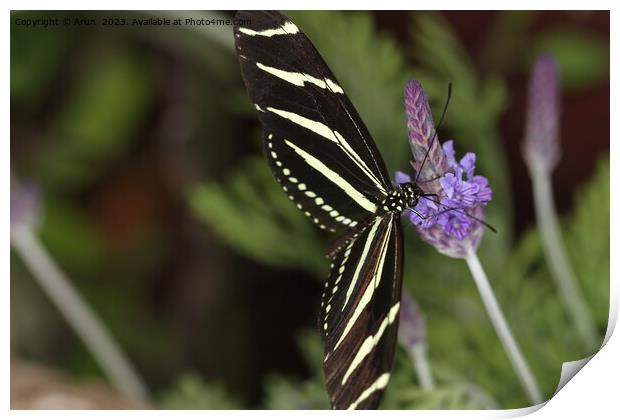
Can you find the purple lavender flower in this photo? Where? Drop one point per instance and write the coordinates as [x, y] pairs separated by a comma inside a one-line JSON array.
[[412, 326], [421, 131], [451, 232], [541, 146], [412, 336]]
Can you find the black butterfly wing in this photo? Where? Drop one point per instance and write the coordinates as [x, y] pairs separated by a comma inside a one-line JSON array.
[[324, 158], [359, 315], [317, 146]]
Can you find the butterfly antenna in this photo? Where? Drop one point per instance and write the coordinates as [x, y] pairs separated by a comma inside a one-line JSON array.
[[432, 142], [447, 209]]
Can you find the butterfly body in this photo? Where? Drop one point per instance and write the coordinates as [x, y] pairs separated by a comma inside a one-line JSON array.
[[405, 195]]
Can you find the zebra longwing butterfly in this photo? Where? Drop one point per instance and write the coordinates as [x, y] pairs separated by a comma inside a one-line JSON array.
[[324, 158]]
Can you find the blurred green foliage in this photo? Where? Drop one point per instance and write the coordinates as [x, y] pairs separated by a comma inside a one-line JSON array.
[[192, 393], [583, 60], [98, 117], [257, 218], [85, 104], [36, 56], [591, 220], [97, 91]]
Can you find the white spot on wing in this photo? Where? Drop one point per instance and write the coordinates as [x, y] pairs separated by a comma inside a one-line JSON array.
[[372, 284], [377, 385], [331, 175], [369, 240], [331, 135], [371, 341], [300, 79], [288, 28]]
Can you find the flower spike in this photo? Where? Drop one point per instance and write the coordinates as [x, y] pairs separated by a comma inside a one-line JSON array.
[[541, 146]]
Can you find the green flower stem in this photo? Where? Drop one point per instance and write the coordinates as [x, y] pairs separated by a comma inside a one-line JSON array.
[[419, 357], [77, 312], [528, 382], [558, 261]]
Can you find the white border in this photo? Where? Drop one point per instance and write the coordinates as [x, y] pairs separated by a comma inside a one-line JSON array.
[[591, 393]]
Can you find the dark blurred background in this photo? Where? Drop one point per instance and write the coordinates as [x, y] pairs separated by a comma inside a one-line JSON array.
[[116, 126]]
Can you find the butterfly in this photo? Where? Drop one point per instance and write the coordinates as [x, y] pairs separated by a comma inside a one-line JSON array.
[[325, 160]]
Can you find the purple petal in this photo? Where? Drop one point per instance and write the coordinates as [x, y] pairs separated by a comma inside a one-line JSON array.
[[480, 180], [467, 194], [455, 223], [413, 217], [468, 163], [448, 183], [448, 149], [423, 209], [458, 172], [428, 204], [412, 327], [401, 177], [484, 194]]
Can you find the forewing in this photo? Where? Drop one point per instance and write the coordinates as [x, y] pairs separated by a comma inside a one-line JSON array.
[[359, 315], [317, 146]]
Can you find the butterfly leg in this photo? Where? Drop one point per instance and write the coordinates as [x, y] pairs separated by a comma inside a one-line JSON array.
[[429, 180], [417, 213]]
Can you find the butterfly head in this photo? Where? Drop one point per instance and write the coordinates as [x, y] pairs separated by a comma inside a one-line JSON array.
[[404, 196], [410, 193]]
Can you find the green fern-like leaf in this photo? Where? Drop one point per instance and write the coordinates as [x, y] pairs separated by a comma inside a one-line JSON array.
[[286, 394], [252, 215], [289, 394], [587, 242], [192, 393]]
